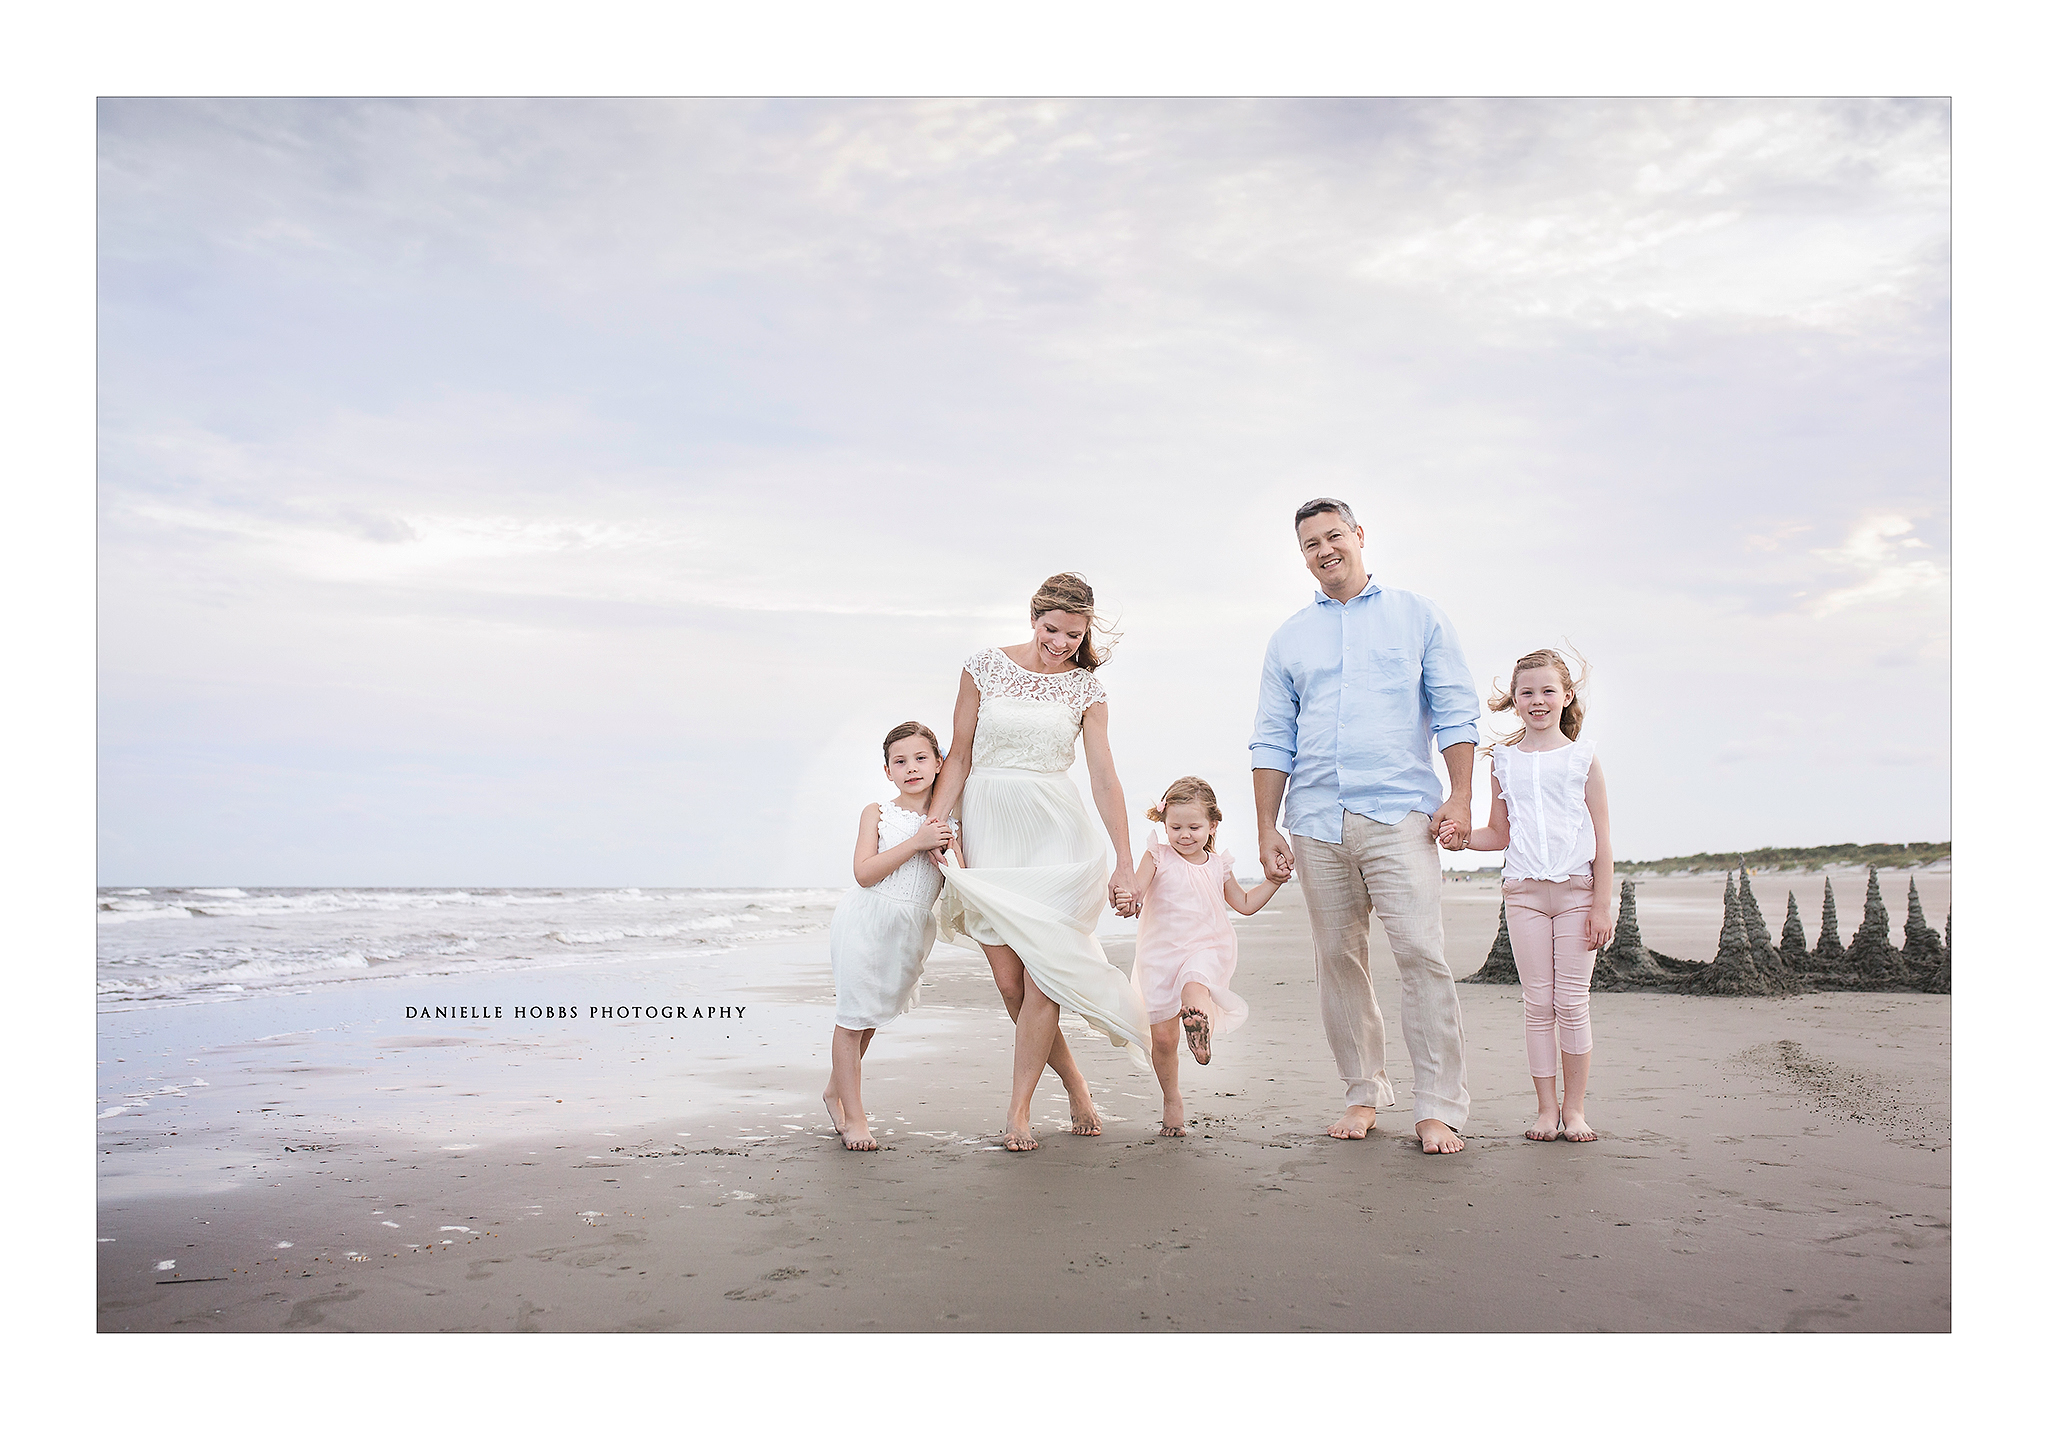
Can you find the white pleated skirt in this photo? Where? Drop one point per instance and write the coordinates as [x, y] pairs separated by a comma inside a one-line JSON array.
[[1037, 881]]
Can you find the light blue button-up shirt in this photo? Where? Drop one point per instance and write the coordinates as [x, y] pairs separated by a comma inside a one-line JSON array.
[[1350, 695]]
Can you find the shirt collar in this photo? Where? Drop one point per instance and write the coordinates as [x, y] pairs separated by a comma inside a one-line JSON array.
[[1372, 588]]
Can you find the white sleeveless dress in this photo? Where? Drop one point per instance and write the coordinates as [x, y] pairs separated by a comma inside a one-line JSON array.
[[882, 935], [1038, 864]]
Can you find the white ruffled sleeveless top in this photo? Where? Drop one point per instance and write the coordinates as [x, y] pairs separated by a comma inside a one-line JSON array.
[[1028, 721], [1550, 830]]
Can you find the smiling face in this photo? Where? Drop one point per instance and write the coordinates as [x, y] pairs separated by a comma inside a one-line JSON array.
[[1187, 828], [1335, 552], [1540, 697], [1056, 636], [912, 765]]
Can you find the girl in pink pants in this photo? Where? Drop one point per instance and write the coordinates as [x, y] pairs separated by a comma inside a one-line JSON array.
[[1550, 815]]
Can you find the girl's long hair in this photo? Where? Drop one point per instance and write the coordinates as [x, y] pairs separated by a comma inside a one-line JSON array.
[[1189, 789], [1573, 718], [1070, 592]]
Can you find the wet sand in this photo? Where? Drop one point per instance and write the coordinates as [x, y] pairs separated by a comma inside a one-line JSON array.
[[1764, 1164]]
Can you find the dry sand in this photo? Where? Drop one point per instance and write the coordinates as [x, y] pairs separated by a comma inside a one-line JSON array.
[[1764, 1164]]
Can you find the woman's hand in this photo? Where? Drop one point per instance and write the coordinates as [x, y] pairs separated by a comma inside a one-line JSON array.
[[1453, 838]]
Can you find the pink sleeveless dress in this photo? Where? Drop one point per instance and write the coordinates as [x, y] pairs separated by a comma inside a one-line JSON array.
[[1184, 936]]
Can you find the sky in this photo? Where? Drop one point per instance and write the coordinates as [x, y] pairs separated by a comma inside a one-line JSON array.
[[572, 492]]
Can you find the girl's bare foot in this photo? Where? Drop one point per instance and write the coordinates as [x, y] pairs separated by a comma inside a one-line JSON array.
[[1015, 1141], [1545, 1128], [1197, 1024], [855, 1137], [1576, 1128], [1173, 1117], [1172, 1129]]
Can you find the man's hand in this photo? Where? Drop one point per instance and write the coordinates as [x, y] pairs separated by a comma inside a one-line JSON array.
[[1274, 855], [1455, 817]]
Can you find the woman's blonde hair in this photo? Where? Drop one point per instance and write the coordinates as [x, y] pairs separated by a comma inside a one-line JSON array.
[[1189, 789], [1070, 592], [1571, 720], [904, 732]]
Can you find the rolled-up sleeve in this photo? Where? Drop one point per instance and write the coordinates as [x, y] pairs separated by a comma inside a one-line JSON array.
[[1273, 728], [1454, 708]]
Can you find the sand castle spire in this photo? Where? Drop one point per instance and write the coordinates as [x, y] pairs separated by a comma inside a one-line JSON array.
[[1829, 960], [1792, 943], [1872, 960], [1922, 954], [1625, 962], [1734, 969], [1500, 959], [1948, 930], [1767, 961]]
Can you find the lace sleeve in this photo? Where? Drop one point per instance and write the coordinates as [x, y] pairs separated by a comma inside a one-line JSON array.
[[1088, 691], [981, 667]]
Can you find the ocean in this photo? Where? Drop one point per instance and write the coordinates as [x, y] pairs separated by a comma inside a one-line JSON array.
[[172, 946]]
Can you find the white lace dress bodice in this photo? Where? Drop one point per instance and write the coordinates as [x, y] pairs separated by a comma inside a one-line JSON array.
[[914, 881], [1028, 721]]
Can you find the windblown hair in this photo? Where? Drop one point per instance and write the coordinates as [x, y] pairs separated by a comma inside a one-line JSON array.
[[1315, 505], [1070, 592], [1573, 717], [1189, 789], [904, 732]]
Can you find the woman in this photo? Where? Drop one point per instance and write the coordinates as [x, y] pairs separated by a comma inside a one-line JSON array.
[[1029, 884]]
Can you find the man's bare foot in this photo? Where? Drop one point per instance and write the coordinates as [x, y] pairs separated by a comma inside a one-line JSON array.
[[1197, 1024], [1437, 1136], [1576, 1129], [1355, 1123], [1014, 1141], [832, 1110], [1544, 1129], [855, 1137]]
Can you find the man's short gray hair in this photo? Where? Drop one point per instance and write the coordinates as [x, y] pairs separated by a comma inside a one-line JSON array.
[[1315, 505]]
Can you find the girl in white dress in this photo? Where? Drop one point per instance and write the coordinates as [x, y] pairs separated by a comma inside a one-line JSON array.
[[1550, 815], [1028, 884], [883, 931]]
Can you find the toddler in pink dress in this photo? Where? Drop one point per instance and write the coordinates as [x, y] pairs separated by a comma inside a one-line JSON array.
[[1187, 950]]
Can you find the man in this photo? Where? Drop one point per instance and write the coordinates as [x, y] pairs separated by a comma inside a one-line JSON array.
[[1354, 685]]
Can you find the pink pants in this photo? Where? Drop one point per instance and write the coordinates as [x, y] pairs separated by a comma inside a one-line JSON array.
[[1547, 927]]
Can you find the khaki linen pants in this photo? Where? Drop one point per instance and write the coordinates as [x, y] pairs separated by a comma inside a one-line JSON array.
[[1391, 869]]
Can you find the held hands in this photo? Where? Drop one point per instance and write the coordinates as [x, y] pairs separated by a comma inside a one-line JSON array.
[[1275, 857], [1122, 897], [932, 835], [1451, 825]]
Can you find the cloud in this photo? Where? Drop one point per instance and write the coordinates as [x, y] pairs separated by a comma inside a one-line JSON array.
[[1877, 557]]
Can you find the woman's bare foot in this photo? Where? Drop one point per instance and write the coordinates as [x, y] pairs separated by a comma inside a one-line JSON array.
[[1355, 1123], [1197, 1024], [1082, 1118], [1576, 1128], [1545, 1128], [1014, 1141], [1172, 1129], [1437, 1136], [832, 1110], [855, 1137]]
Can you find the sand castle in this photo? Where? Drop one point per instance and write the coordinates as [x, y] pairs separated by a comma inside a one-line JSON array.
[[1500, 959], [1626, 962], [1748, 964]]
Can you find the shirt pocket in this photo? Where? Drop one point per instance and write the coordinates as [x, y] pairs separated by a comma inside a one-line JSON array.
[[1393, 670]]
